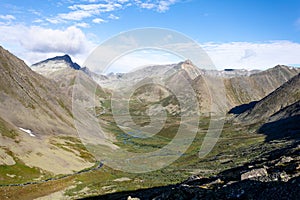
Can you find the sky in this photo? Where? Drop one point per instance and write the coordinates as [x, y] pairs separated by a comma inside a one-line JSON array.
[[251, 34]]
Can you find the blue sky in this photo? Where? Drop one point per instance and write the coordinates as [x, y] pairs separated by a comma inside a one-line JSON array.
[[235, 33]]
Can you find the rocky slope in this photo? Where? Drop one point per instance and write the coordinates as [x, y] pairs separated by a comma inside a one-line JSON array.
[[31, 101], [87, 97], [276, 105], [229, 89], [245, 89], [35, 123], [167, 79]]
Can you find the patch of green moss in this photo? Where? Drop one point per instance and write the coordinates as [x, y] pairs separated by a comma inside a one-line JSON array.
[[19, 172], [73, 145]]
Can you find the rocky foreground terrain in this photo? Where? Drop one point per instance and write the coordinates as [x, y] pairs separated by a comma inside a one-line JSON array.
[[274, 175]]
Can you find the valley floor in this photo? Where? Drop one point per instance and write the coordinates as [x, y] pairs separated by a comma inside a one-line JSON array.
[[241, 162]]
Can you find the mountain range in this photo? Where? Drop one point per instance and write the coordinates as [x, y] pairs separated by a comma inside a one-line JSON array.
[[240, 86], [39, 137]]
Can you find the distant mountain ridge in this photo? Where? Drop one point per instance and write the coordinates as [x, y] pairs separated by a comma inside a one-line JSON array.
[[241, 86], [229, 73]]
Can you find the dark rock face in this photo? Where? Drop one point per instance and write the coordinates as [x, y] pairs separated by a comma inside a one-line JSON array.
[[287, 128], [242, 108]]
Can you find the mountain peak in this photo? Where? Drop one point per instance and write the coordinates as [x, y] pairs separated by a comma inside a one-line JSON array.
[[65, 58], [55, 64], [192, 70], [280, 66]]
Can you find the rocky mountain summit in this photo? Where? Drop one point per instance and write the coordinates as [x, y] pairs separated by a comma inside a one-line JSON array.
[[57, 63]]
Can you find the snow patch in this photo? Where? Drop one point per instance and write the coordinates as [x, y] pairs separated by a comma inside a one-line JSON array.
[[27, 131]]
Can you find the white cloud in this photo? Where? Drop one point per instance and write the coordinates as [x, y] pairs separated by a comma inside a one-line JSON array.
[[140, 58], [82, 25], [7, 17], [123, 1], [147, 5], [247, 55], [96, 7], [71, 40], [85, 7], [37, 43], [53, 21], [165, 5], [112, 16], [35, 12], [160, 6], [91, 8], [82, 11], [37, 21], [75, 15], [98, 20], [92, 1], [34, 42]]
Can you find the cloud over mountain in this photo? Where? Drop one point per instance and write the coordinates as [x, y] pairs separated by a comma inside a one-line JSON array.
[[249, 55], [39, 42]]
